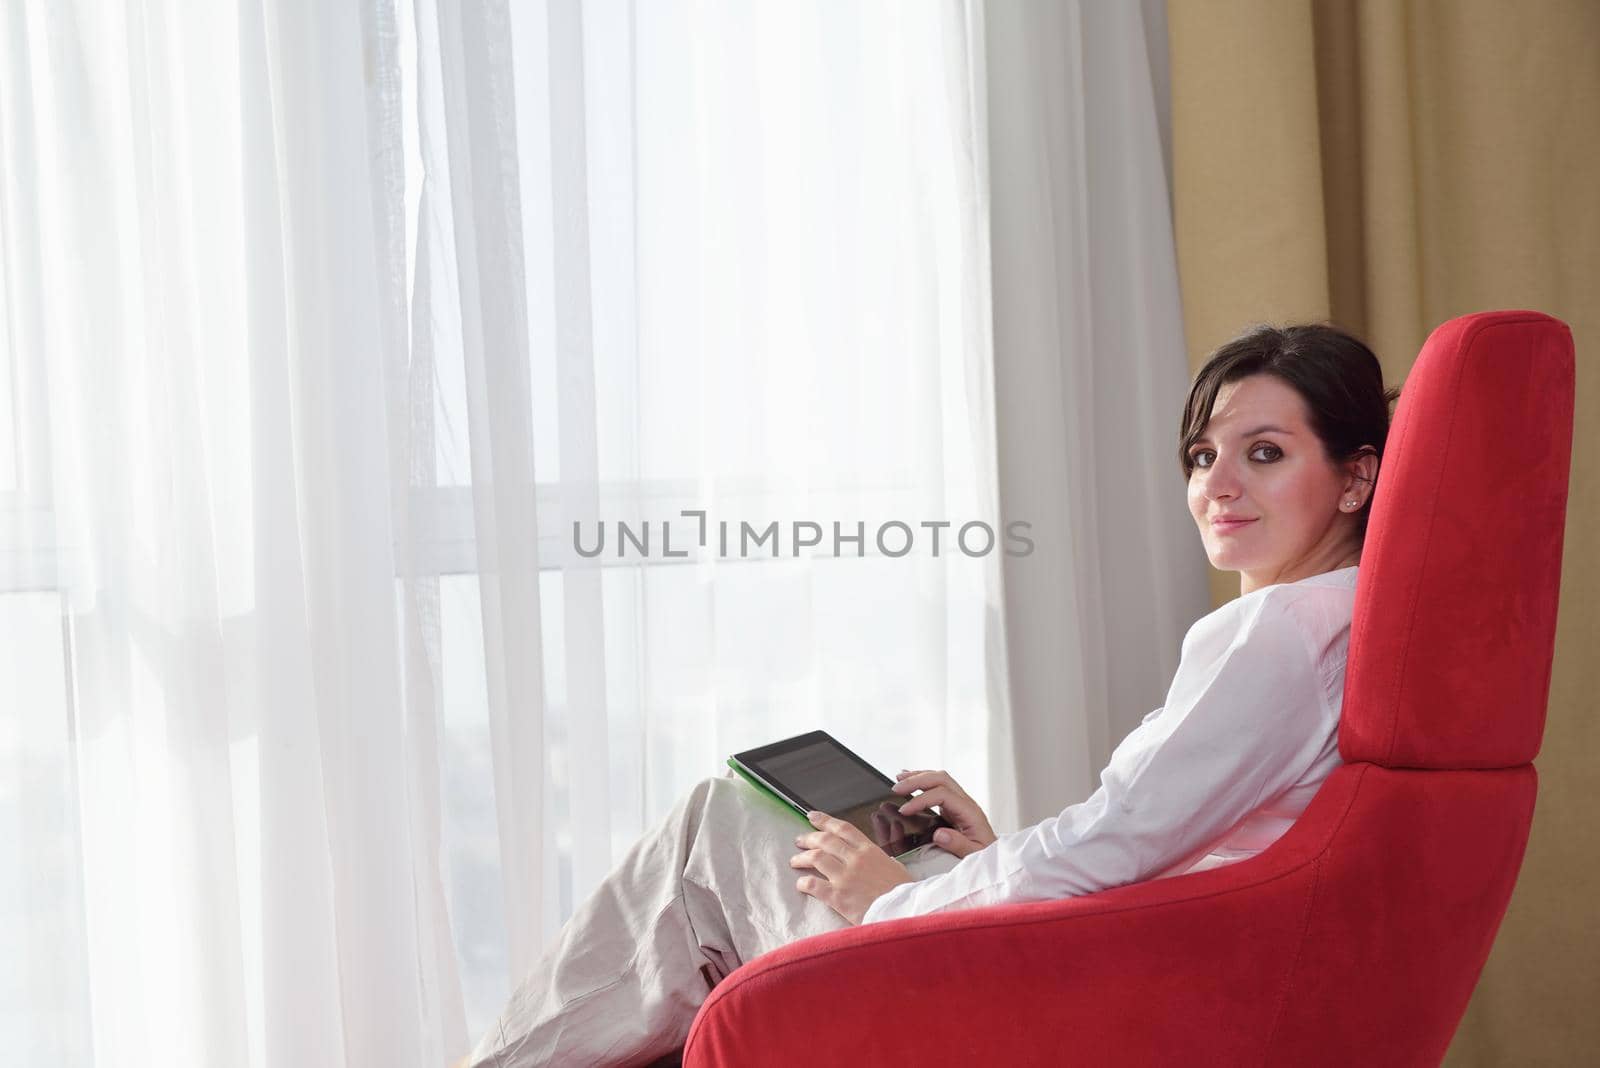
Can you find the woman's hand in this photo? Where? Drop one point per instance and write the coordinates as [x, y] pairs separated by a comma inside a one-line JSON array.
[[972, 831], [852, 872]]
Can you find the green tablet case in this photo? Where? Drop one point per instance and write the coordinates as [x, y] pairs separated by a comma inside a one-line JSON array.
[[766, 791]]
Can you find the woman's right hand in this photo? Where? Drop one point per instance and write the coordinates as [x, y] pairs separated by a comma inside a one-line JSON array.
[[971, 827]]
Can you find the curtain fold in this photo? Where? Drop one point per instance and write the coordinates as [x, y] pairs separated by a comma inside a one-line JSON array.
[[1091, 377], [476, 144]]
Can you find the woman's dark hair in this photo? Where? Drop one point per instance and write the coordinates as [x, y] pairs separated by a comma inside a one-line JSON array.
[[1337, 376]]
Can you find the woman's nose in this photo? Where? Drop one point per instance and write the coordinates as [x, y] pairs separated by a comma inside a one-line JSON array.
[[1221, 483]]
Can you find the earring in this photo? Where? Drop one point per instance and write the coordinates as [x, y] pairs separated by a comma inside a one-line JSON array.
[[1349, 504]]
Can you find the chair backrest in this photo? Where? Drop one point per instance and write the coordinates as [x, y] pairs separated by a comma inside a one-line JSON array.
[[1455, 613], [1419, 837]]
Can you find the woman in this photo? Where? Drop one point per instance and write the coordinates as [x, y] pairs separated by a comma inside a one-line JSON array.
[[1281, 440]]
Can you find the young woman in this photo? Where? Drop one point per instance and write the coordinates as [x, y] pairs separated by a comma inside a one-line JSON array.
[[1280, 443]]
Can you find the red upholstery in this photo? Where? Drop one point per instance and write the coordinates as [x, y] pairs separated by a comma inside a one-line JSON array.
[[1358, 936], [1450, 663]]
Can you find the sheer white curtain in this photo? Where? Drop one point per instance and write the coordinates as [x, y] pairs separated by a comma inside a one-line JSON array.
[[1090, 381], [320, 328]]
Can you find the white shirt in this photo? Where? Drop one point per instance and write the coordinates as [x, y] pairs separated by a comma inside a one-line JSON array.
[[1249, 731]]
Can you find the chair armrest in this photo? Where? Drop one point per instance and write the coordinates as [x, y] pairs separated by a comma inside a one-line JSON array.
[[1356, 938], [1170, 971]]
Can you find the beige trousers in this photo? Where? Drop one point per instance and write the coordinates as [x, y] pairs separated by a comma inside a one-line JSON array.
[[703, 891]]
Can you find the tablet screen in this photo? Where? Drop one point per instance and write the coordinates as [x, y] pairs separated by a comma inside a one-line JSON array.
[[833, 780]]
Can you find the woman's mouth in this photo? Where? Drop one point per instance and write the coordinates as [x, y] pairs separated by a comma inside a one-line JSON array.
[[1227, 526]]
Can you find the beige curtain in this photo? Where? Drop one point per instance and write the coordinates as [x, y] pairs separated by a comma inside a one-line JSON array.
[[1390, 165]]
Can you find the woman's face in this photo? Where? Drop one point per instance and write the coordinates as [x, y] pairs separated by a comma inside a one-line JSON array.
[[1268, 501]]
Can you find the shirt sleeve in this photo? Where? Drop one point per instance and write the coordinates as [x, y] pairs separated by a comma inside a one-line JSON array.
[[1244, 718]]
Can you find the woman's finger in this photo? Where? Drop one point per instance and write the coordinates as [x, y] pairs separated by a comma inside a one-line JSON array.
[[933, 796], [833, 844], [818, 860], [953, 805], [822, 840], [904, 777], [925, 780], [952, 841], [815, 886], [848, 835]]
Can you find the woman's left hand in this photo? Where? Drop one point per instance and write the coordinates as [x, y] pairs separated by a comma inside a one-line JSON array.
[[851, 872]]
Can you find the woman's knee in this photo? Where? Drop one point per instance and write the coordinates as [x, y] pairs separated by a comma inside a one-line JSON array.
[[703, 800]]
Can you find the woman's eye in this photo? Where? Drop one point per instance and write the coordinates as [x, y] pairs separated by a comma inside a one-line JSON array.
[[1272, 452], [1199, 455]]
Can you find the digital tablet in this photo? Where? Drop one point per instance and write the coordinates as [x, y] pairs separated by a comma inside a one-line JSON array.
[[814, 772]]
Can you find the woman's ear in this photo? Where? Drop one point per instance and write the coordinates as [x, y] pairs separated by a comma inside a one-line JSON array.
[[1361, 473]]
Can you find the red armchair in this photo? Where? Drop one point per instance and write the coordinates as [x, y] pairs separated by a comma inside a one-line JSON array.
[[1359, 935]]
